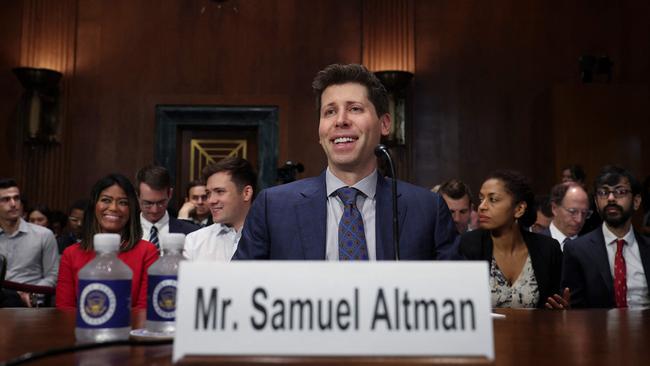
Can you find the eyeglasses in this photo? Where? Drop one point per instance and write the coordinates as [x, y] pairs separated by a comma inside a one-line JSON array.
[[574, 212], [618, 192], [158, 204]]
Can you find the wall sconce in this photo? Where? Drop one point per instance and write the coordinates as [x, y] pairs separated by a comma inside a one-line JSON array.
[[396, 83], [39, 105]]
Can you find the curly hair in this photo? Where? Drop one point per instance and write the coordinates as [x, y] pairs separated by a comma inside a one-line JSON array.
[[519, 187]]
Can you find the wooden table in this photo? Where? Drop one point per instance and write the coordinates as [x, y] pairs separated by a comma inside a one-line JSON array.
[[523, 337]]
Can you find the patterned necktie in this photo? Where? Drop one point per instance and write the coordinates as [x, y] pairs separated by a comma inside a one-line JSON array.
[[352, 238], [153, 236], [620, 276]]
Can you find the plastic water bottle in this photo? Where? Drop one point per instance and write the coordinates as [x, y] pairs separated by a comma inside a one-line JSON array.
[[104, 294], [161, 288]]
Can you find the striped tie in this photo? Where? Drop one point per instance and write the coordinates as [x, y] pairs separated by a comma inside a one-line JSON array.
[[153, 236]]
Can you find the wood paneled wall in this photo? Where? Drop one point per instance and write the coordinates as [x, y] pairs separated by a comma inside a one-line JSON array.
[[487, 83], [488, 78]]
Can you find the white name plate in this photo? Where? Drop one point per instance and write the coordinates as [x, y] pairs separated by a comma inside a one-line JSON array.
[[334, 309]]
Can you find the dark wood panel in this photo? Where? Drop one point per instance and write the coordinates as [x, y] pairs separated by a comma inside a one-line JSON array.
[[485, 76], [133, 56]]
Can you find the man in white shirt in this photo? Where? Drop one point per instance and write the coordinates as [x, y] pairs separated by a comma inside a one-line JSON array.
[[609, 267], [570, 205], [230, 185], [153, 185]]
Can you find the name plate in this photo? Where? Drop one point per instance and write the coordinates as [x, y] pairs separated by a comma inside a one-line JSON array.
[[334, 309]]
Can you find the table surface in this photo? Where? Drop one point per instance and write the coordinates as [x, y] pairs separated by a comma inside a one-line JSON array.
[[523, 337]]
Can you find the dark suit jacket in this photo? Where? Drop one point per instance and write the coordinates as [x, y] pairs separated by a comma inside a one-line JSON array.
[[290, 222], [587, 273], [181, 226], [545, 255]]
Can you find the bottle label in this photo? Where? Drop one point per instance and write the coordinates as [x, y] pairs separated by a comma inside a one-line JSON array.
[[104, 304], [161, 298]]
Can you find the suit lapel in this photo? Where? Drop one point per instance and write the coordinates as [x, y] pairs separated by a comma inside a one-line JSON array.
[[598, 251], [312, 220], [644, 251], [384, 218]]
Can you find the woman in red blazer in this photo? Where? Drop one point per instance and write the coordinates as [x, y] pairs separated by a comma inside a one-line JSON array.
[[113, 209]]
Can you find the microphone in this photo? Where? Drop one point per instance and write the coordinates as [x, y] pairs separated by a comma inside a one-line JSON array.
[[382, 152]]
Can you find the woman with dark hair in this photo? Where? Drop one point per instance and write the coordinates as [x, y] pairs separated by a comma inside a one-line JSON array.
[[113, 208], [525, 268], [40, 215]]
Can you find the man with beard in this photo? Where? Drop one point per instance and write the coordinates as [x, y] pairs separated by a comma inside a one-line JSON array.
[[609, 267]]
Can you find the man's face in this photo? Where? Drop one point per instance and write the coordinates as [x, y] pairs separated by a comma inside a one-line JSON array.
[[228, 204], [616, 204], [460, 211], [10, 204], [153, 203], [198, 195], [350, 129], [75, 221], [571, 214]]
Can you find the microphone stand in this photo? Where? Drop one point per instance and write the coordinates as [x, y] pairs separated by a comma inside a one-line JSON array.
[[382, 152]]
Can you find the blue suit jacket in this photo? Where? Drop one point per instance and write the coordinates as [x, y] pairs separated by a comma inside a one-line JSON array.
[[181, 226], [290, 222], [586, 270]]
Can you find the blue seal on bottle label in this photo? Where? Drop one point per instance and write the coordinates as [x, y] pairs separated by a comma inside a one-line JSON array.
[[104, 304], [161, 298]]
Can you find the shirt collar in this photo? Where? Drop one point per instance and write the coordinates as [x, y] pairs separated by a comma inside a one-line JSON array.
[[367, 185], [610, 238], [23, 227], [223, 229], [146, 224], [559, 235]]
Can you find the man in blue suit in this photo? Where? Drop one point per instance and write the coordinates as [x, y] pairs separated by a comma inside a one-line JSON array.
[[153, 185], [610, 266], [345, 213]]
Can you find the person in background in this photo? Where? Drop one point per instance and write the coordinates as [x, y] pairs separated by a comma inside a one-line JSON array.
[[573, 173], [570, 205], [39, 215], [457, 195], [544, 214], [30, 250], [231, 184], [72, 232], [58, 222], [153, 186], [113, 209], [196, 209], [525, 268], [610, 266]]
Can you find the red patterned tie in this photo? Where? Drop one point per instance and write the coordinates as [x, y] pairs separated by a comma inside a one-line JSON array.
[[620, 276]]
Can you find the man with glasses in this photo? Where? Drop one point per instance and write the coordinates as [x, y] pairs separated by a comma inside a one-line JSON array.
[[609, 267], [570, 206], [153, 185]]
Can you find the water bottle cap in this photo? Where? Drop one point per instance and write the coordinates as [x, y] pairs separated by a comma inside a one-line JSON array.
[[105, 243], [173, 241]]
